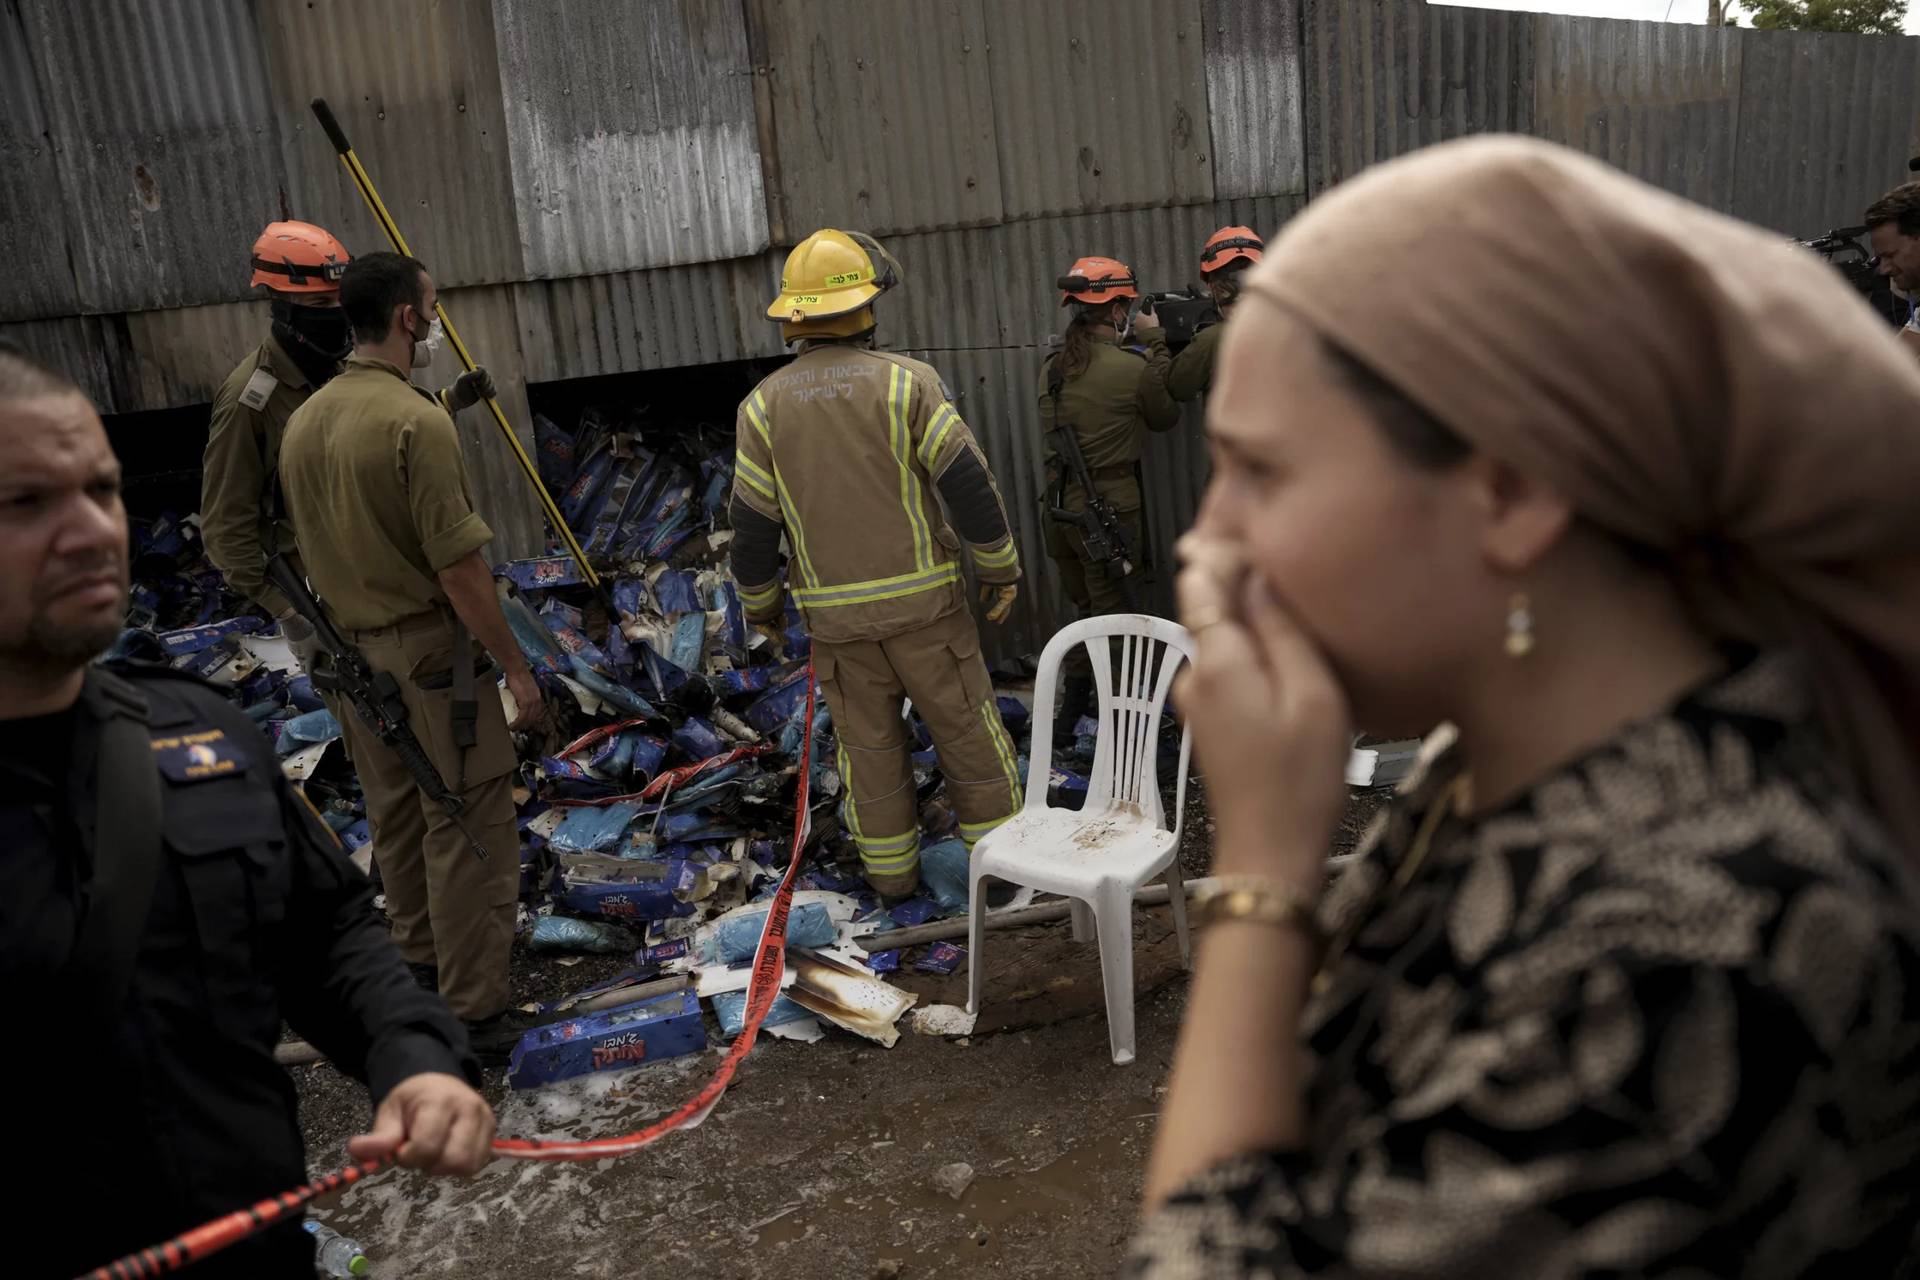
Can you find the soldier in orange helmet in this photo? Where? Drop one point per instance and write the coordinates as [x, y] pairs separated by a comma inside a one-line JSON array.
[[1108, 382], [1226, 255]]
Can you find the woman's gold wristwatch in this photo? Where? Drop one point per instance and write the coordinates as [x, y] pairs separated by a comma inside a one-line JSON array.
[[1257, 900]]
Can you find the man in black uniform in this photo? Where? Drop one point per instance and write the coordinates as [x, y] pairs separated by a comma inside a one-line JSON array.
[[166, 899]]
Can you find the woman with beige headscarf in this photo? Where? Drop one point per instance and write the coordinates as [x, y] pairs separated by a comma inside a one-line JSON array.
[[1627, 496]]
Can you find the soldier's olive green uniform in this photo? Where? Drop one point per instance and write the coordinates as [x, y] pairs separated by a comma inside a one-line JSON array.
[[842, 452], [1112, 404], [250, 414], [1191, 374], [374, 480]]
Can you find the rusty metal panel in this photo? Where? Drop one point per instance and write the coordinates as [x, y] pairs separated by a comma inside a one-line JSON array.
[[1657, 99], [1826, 123], [1099, 104], [417, 88], [33, 218], [1253, 97], [881, 116], [90, 350], [181, 356], [586, 326], [1385, 77], [633, 135], [502, 495], [162, 132]]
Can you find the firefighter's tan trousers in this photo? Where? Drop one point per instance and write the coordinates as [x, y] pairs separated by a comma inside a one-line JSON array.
[[940, 668]]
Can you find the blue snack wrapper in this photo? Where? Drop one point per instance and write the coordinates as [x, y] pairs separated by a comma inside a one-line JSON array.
[[941, 957]]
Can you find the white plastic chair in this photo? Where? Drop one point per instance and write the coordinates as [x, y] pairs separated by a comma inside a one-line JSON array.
[[1101, 854]]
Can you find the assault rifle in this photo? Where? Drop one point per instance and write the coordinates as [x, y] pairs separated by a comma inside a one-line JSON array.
[[375, 695]]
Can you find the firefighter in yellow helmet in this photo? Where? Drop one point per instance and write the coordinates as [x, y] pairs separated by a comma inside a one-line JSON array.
[[1108, 383], [1224, 259], [242, 523], [843, 452]]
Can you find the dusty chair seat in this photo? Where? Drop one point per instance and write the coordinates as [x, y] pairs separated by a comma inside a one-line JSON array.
[[1103, 853]]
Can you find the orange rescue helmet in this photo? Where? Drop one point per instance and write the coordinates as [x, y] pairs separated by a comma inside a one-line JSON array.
[[298, 257], [1097, 280], [1227, 246]]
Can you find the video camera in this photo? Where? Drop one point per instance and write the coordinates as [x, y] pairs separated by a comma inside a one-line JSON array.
[[1183, 313], [1845, 248]]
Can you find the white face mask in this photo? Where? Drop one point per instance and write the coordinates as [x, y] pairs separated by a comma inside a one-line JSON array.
[[423, 348]]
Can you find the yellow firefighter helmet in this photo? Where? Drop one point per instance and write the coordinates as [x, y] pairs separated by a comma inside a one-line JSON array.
[[829, 283]]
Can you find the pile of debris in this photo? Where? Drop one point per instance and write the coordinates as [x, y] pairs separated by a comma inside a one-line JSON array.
[[656, 800]]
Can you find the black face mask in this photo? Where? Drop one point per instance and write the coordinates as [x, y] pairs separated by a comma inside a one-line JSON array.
[[317, 338]]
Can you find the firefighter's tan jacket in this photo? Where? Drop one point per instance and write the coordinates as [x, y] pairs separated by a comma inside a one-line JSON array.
[[843, 451]]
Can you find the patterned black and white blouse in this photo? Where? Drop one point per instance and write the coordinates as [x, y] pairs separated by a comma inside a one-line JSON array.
[[1660, 1016]]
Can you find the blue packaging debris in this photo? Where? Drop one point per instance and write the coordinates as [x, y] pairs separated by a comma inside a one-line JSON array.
[[307, 729], [698, 740], [884, 961], [650, 960], [730, 1007], [593, 828], [674, 591], [357, 836], [915, 910], [738, 936], [944, 867], [194, 639], [545, 573], [553, 448], [564, 933], [941, 957], [300, 694], [689, 639], [1014, 714], [779, 704], [664, 1026], [628, 888]]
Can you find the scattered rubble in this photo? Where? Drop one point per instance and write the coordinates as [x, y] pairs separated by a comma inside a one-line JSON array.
[[655, 800], [953, 1179]]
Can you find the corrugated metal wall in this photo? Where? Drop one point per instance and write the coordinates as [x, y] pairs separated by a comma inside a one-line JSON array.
[[163, 167], [608, 186], [1254, 78], [1385, 78], [631, 133], [881, 116], [33, 224], [1660, 100], [417, 88], [1838, 115], [1099, 104]]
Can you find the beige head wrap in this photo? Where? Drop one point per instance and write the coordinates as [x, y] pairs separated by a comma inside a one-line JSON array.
[[1691, 383]]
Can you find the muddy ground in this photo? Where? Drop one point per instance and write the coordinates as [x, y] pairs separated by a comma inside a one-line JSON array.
[[822, 1160]]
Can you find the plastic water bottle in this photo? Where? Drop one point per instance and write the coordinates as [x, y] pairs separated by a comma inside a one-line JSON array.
[[337, 1255]]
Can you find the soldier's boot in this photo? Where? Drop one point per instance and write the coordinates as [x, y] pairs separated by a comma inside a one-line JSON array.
[[895, 888], [1076, 700], [494, 1038]]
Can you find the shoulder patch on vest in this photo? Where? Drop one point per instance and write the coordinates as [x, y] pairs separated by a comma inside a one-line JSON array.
[[193, 757], [258, 388]]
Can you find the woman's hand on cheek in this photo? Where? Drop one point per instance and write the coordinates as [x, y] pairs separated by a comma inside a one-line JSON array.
[[1270, 722]]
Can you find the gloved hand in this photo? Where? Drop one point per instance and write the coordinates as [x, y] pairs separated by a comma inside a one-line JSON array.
[[775, 636], [467, 390], [998, 601]]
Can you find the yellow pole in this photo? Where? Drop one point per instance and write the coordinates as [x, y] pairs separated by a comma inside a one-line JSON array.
[[358, 173]]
